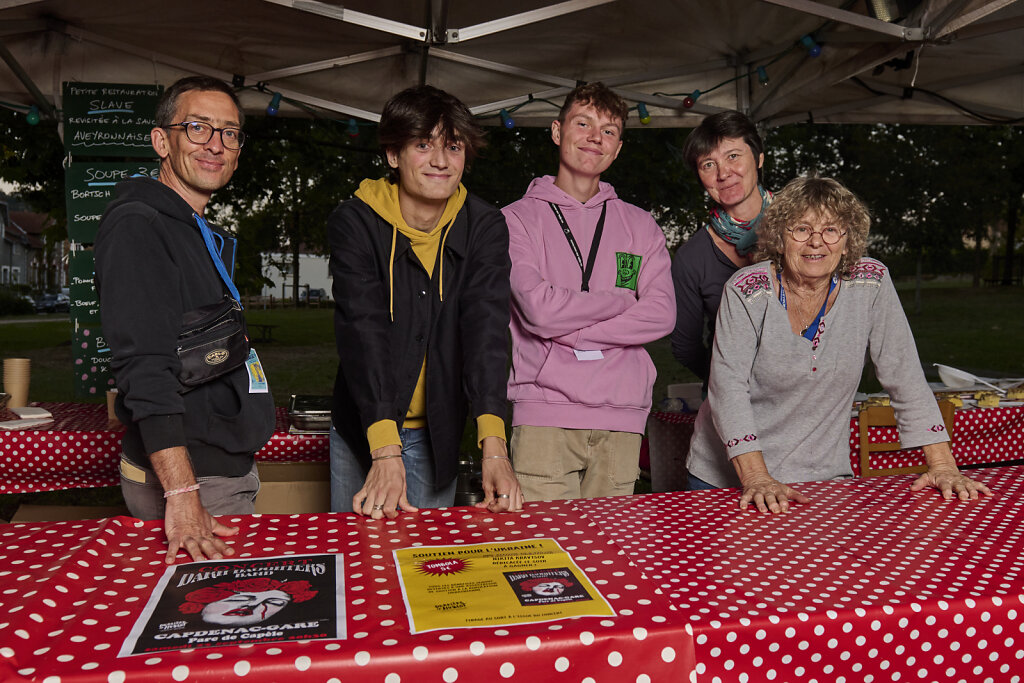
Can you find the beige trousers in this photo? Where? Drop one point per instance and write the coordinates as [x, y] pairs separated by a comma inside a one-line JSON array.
[[561, 464]]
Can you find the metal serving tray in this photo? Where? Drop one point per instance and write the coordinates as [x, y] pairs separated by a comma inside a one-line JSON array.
[[310, 413]]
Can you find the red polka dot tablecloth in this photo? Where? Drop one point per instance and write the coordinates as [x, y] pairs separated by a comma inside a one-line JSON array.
[[981, 436], [71, 591], [80, 449], [868, 583]]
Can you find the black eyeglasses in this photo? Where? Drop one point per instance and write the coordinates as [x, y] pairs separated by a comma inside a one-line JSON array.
[[200, 132], [829, 235]]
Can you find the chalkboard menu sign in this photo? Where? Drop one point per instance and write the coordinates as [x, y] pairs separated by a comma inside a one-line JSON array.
[[91, 364], [109, 119], [90, 186], [100, 120]]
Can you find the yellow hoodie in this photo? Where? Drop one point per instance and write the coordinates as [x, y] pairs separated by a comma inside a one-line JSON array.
[[382, 196]]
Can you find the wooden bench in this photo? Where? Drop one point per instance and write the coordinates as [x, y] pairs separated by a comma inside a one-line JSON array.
[[261, 333]]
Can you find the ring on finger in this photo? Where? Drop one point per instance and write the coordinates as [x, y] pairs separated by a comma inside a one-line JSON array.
[[378, 507], [501, 495]]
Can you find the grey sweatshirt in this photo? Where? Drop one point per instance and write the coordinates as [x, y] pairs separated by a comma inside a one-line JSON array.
[[774, 391]]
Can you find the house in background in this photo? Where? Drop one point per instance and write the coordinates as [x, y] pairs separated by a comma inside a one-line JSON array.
[[25, 256], [313, 274], [48, 265], [16, 251]]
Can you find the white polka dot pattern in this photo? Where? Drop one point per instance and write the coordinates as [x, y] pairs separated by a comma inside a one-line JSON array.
[[869, 582], [79, 449], [71, 591], [982, 436]]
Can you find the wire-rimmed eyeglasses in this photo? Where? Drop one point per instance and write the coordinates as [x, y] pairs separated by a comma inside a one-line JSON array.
[[829, 235], [200, 132]]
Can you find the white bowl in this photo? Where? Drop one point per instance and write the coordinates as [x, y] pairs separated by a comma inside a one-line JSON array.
[[955, 379]]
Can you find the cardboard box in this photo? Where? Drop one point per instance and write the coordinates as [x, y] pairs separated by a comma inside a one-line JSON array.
[[294, 487], [63, 513], [285, 488]]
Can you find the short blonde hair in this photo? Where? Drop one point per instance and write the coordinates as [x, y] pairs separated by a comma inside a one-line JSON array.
[[824, 197]]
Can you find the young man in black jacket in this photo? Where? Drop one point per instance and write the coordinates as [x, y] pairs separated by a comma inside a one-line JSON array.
[[187, 455], [421, 290]]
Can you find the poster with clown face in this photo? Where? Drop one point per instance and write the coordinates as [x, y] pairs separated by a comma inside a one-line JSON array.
[[238, 602]]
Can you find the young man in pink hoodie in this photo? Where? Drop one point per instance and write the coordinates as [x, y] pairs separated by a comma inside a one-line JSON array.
[[591, 284]]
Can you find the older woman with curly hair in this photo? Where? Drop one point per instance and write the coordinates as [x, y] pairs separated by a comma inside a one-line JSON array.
[[792, 334]]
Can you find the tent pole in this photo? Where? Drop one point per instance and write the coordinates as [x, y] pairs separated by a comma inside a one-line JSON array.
[[26, 80]]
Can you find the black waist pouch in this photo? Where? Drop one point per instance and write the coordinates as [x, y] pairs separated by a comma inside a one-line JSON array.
[[212, 342]]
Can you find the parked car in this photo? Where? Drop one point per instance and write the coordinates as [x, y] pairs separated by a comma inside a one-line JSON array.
[[46, 303], [52, 303], [315, 297]]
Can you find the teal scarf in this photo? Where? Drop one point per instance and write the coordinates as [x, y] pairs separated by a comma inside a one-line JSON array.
[[740, 234]]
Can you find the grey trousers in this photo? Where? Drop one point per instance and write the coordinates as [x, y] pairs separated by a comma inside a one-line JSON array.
[[144, 495]]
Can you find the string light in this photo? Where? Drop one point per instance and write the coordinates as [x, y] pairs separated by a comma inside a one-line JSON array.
[[813, 49], [507, 120], [352, 128], [762, 75], [32, 117], [275, 104], [690, 99], [641, 110]]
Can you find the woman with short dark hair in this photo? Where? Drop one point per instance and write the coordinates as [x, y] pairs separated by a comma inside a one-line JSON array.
[[726, 153]]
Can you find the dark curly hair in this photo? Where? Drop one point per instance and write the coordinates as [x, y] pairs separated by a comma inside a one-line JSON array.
[[414, 113], [822, 196]]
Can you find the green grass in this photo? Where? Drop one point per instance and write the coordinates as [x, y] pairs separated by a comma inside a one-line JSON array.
[[978, 330]]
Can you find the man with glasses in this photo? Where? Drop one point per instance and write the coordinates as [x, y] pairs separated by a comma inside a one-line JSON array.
[[187, 454]]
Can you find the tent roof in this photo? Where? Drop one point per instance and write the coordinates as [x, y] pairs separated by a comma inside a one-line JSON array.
[[947, 62]]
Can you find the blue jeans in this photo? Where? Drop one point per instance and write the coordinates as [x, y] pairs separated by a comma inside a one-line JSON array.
[[347, 476], [695, 484]]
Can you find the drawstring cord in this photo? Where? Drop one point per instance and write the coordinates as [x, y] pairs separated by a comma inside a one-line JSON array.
[[391, 267]]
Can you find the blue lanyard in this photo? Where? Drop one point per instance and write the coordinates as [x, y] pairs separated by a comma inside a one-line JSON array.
[[218, 262], [811, 329]]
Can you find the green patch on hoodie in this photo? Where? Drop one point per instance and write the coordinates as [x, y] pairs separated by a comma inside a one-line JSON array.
[[627, 269]]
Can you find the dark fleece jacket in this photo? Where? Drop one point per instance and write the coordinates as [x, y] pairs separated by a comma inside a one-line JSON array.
[[152, 266]]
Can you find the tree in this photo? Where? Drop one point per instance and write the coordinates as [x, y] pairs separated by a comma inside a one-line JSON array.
[[31, 159], [292, 173]]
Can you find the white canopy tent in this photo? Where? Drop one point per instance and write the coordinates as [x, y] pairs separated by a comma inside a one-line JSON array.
[[945, 62]]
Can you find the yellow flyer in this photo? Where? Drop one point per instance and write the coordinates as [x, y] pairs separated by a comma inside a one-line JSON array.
[[491, 584]]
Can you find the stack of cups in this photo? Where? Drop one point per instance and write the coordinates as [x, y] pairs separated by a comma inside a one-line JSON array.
[[16, 376]]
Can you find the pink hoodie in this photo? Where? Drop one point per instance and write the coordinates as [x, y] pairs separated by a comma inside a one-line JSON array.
[[630, 302]]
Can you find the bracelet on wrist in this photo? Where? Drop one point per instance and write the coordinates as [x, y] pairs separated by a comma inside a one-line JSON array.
[[495, 457], [184, 489], [386, 457]]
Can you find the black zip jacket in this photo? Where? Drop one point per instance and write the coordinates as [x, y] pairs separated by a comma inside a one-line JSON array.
[[464, 336], [152, 266]]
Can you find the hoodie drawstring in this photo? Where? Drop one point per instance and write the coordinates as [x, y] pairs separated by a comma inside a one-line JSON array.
[[391, 274], [440, 274]]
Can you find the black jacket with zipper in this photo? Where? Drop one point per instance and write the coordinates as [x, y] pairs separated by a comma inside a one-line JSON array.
[[152, 267], [464, 336]]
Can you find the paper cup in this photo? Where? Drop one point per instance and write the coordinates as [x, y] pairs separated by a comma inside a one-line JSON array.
[[111, 398], [16, 379]]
